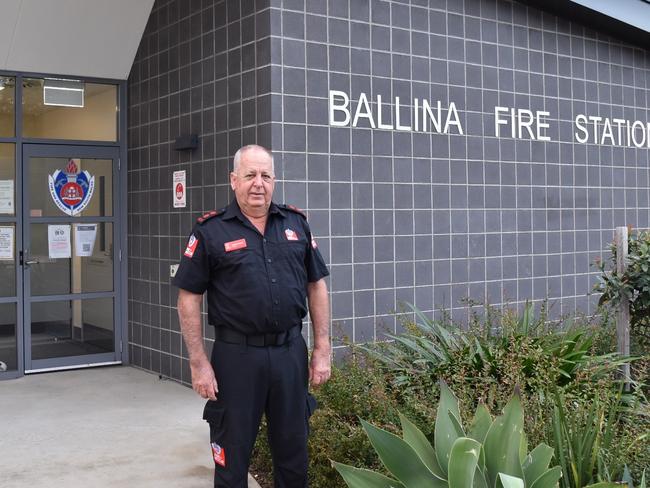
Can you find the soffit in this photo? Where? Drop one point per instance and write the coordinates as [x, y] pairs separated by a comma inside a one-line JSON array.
[[628, 20], [633, 12], [85, 38]]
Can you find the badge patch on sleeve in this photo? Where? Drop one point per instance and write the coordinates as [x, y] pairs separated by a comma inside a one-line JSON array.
[[291, 235], [219, 454], [191, 246], [234, 245]]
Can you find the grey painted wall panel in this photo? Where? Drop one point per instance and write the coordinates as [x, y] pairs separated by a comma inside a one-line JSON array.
[[399, 216]]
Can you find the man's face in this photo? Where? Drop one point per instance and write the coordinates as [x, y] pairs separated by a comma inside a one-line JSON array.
[[254, 180]]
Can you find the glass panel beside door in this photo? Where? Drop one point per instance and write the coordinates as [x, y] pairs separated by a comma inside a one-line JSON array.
[[9, 280], [68, 258]]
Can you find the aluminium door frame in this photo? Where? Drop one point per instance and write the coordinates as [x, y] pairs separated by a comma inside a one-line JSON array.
[[121, 222], [68, 151]]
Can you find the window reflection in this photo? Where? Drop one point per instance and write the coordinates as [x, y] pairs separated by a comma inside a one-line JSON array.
[[69, 109], [88, 269], [7, 106], [7, 180]]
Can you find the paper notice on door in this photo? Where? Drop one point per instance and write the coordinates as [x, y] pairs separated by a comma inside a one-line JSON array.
[[84, 239], [7, 243], [58, 240], [7, 205]]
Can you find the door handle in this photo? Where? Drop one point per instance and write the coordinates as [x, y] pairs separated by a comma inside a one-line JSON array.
[[26, 260]]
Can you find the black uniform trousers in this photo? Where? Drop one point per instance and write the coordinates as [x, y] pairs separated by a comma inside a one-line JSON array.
[[253, 380]]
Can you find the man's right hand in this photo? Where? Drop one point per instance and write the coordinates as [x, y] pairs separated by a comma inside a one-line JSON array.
[[204, 381]]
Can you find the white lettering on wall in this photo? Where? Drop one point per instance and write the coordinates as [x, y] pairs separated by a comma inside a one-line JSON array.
[[363, 110], [520, 119], [334, 107], [581, 120], [421, 115], [417, 116], [613, 132]]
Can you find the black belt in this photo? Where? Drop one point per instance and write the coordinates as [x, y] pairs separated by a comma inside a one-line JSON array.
[[231, 336]]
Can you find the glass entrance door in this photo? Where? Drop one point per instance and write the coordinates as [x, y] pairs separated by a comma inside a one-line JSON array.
[[69, 259]]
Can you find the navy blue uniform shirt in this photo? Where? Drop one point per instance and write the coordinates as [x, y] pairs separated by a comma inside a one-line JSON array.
[[256, 284]]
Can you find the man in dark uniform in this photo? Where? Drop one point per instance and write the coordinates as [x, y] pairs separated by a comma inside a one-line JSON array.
[[259, 264]]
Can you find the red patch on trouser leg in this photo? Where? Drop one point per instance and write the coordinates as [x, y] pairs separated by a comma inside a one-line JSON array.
[[219, 454]]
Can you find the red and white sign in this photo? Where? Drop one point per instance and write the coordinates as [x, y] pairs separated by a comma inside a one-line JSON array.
[[234, 245], [179, 189], [291, 235]]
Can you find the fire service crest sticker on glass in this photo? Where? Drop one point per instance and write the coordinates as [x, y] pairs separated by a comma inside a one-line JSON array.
[[71, 189]]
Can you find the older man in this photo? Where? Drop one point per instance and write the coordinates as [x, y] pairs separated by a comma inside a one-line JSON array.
[[259, 264]]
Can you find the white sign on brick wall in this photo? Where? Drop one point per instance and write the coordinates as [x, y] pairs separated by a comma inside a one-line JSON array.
[[179, 189]]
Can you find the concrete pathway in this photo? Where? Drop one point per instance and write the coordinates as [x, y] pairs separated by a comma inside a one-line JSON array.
[[113, 427]]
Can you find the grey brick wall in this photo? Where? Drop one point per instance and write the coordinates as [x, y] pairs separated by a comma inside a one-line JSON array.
[[432, 219], [202, 67], [400, 216]]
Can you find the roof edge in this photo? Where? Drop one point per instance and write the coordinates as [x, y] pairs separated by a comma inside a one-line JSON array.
[[628, 20]]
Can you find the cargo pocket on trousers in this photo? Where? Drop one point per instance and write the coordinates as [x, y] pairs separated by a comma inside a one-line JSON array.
[[213, 414], [312, 405]]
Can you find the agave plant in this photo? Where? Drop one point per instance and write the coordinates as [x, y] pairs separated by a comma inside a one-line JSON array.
[[627, 480], [490, 454]]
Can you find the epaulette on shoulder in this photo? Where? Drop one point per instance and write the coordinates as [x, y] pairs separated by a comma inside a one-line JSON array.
[[295, 209], [208, 215]]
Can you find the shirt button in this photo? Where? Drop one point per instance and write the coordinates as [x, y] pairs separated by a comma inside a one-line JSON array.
[[264, 241], [275, 323], [273, 280], [276, 301], [269, 260]]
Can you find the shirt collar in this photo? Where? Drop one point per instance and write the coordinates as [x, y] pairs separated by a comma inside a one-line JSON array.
[[233, 211], [275, 209]]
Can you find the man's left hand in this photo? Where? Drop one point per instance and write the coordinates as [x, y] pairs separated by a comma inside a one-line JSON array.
[[320, 368]]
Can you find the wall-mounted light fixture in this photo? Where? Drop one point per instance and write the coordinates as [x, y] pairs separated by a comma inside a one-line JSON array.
[[183, 143], [63, 93]]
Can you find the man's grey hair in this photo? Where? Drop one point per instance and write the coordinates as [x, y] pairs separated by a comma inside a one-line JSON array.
[[242, 150]]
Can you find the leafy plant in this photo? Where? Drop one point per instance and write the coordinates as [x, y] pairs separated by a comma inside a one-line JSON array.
[[581, 437], [363, 387], [429, 346], [586, 441], [490, 454], [633, 284]]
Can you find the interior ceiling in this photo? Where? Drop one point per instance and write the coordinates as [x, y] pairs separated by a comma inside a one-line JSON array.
[[85, 38]]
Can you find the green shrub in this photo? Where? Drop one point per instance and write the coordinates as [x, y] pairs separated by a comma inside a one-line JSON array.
[[498, 351], [634, 284], [488, 454], [514, 350]]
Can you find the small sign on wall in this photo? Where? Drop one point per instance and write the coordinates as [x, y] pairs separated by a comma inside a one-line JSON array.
[[179, 189]]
